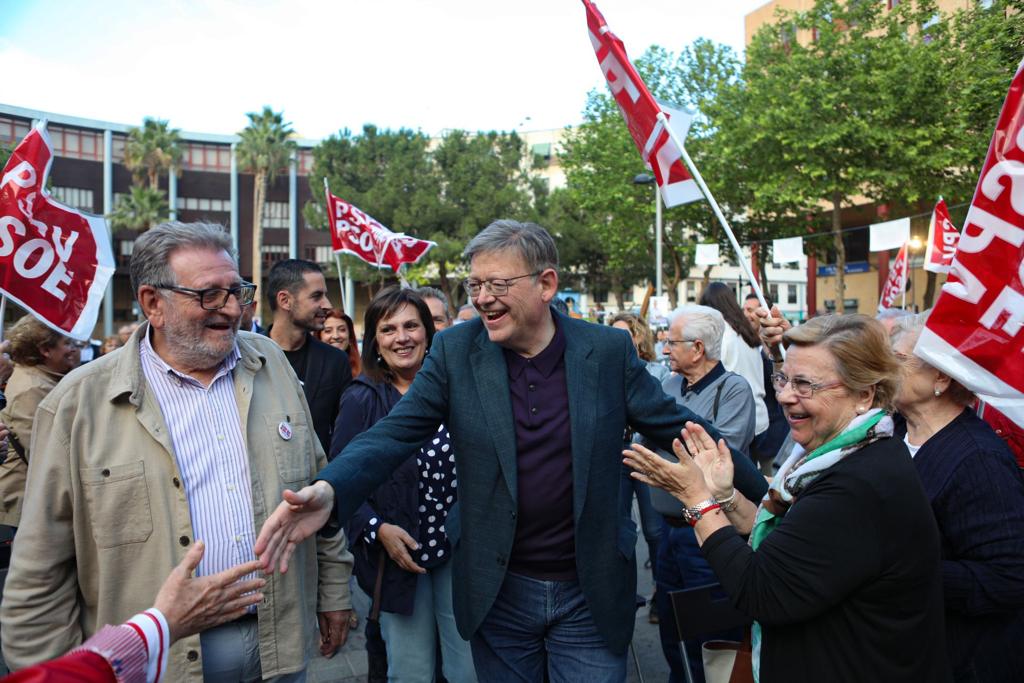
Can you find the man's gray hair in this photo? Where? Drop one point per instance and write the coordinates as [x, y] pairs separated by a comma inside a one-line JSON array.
[[704, 323], [532, 242], [427, 292], [152, 250]]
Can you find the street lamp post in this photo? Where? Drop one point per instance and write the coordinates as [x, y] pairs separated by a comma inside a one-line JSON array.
[[648, 179], [914, 245]]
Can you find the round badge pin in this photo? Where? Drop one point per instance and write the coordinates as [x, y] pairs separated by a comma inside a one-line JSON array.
[[285, 430]]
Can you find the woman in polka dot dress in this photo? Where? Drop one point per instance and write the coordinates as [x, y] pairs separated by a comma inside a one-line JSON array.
[[403, 522]]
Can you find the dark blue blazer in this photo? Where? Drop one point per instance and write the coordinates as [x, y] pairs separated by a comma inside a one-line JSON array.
[[464, 384]]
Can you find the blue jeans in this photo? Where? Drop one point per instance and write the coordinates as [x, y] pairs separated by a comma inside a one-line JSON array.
[[537, 626], [411, 640], [681, 565], [231, 654]]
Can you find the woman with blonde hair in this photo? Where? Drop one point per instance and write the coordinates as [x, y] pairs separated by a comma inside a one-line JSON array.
[[41, 358], [977, 495], [841, 574]]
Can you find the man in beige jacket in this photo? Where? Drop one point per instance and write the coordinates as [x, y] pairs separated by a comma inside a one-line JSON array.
[[190, 432]]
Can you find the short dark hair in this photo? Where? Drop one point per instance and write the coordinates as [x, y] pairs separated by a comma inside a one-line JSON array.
[[767, 299], [288, 276], [720, 297], [387, 302]]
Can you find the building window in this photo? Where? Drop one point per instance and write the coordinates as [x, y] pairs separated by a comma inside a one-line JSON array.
[[323, 253], [891, 4], [12, 132], [275, 215], [76, 144], [204, 204], [773, 293], [206, 157], [124, 252], [272, 253], [791, 294], [75, 197]]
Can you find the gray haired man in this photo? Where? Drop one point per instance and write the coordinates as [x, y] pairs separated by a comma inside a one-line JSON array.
[[189, 433]]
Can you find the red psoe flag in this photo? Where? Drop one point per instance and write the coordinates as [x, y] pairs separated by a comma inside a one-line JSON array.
[[976, 331], [356, 232], [942, 240], [55, 261], [641, 110], [896, 285]]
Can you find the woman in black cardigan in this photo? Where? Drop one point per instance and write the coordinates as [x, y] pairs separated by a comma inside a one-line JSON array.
[[841, 574], [977, 495]]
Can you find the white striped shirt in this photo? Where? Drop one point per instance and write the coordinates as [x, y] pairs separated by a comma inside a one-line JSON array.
[[206, 434]]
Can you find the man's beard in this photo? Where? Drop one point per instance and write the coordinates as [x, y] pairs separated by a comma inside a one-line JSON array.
[[187, 345]]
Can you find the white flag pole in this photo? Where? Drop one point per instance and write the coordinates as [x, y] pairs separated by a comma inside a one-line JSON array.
[[3, 310], [777, 352], [337, 256], [715, 208]]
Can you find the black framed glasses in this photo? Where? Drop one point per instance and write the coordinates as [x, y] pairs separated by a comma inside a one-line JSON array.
[[216, 298], [804, 388], [495, 286]]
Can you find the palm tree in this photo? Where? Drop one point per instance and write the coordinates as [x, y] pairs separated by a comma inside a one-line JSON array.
[[151, 150], [140, 209], [264, 150]]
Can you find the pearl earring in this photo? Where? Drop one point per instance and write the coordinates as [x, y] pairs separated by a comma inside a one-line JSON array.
[[860, 411], [938, 392]]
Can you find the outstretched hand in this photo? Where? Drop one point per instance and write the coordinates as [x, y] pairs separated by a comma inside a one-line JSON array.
[[301, 514], [191, 605]]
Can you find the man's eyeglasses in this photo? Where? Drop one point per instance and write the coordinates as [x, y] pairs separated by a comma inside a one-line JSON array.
[[216, 298], [804, 388], [672, 342], [495, 287]]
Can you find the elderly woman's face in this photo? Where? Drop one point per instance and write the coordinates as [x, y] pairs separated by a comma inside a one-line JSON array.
[[918, 380], [817, 419]]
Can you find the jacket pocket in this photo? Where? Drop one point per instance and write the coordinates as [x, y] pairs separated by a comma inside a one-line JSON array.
[[118, 501], [290, 435]]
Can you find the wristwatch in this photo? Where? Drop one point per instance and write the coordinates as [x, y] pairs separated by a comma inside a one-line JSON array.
[[694, 514]]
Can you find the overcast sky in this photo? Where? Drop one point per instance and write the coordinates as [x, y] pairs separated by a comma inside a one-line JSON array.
[[422, 64]]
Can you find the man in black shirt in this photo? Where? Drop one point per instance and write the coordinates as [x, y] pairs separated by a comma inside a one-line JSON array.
[[298, 299]]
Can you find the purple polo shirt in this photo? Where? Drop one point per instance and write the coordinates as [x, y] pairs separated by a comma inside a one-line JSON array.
[[545, 544]]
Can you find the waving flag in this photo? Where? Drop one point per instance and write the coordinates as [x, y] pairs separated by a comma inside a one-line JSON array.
[[896, 284], [55, 261], [641, 111], [976, 331], [942, 240], [356, 232]]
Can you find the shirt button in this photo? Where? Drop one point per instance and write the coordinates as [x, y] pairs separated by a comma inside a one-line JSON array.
[[501, 561], [533, 387], [231, 487], [533, 410], [183, 540], [176, 482], [238, 539], [220, 437], [192, 655], [513, 513], [106, 472]]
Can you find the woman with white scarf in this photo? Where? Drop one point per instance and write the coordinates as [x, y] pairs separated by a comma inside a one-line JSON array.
[[841, 572]]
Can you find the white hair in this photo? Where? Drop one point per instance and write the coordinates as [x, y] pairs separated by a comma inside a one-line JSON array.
[[704, 323]]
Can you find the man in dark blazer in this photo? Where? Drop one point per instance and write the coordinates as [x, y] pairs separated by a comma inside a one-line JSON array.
[[536, 404], [298, 299]]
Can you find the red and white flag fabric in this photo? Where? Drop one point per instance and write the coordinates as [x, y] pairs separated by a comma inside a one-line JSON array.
[[942, 240], [641, 111], [355, 232], [896, 284], [55, 261], [976, 331]]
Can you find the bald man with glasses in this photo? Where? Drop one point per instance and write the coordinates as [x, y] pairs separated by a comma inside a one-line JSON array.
[[191, 432]]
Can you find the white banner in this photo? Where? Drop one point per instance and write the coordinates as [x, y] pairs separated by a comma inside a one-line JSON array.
[[788, 250], [707, 255], [889, 235]]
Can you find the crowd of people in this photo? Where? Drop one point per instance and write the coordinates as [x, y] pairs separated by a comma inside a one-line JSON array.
[[198, 499]]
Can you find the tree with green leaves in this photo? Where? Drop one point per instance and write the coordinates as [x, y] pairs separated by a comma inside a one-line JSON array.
[[264, 149], [142, 208], [152, 150]]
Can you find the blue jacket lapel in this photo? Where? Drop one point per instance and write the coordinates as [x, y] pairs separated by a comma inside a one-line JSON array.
[[491, 375], [581, 377]]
